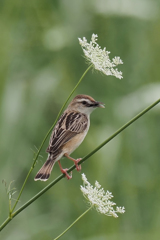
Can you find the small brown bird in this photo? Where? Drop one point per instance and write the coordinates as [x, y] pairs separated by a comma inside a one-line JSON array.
[[68, 134]]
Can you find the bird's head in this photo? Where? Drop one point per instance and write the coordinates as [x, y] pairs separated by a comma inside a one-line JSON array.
[[84, 104]]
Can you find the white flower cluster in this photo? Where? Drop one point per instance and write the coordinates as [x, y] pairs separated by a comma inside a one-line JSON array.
[[100, 199], [100, 57]]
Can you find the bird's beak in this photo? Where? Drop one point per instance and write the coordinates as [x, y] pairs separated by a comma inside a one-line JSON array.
[[100, 104]]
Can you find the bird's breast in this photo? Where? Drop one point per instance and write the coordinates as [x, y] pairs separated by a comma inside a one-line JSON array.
[[71, 145]]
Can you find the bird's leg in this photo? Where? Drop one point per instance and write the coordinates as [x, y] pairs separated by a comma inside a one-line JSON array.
[[64, 171], [76, 161]]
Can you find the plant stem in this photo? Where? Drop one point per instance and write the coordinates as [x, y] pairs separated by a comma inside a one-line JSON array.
[[10, 210], [73, 223], [117, 132], [39, 150], [73, 167], [24, 183], [5, 222]]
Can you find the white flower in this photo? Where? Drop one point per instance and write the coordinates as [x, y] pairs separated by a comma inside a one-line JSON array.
[[97, 185], [84, 178], [100, 199], [100, 57]]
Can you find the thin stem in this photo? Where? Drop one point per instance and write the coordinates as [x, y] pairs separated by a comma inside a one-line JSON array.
[[39, 150], [73, 167], [117, 132], [10, 209], [5, 222], [20, 193], [73, 223]]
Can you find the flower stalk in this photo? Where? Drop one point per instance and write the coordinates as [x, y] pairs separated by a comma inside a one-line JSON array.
[[66, 230]]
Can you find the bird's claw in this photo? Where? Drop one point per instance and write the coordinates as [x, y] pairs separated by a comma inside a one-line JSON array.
[[66, 173], [78, 167]]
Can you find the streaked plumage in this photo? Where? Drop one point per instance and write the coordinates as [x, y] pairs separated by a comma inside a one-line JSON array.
[[68, 134]]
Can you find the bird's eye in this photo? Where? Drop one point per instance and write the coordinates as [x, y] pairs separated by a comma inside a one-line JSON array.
[[84, 102]]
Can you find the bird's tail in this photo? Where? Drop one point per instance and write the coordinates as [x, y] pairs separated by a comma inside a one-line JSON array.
[[45, 171]]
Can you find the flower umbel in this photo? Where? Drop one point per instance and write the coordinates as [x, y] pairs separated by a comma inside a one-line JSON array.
[[100, 199], [100, 57]]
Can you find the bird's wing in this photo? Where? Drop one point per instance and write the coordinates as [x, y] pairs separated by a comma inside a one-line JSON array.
[[69, 125]]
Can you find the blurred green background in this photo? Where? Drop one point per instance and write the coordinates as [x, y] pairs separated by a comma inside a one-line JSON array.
[[40, 62]]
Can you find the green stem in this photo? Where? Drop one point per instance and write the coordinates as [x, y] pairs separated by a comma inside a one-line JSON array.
[[39, 150], [5, 222], [10, 209], [117, 132], [73, 223], [73, 167], [20, 193]]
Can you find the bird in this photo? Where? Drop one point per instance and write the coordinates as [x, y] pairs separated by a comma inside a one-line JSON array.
[[68, 134]]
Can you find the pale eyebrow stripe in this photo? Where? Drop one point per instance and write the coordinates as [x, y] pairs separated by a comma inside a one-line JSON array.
[[84, 99]]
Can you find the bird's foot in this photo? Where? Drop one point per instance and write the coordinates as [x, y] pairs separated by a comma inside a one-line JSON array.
[[78, 167], [66, 173], [76, 161]]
